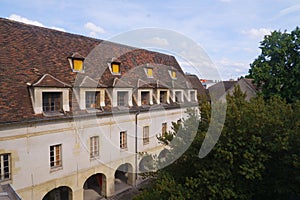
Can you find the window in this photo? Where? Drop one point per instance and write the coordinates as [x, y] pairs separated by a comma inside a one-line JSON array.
[[173, 74], [149, 72], [52, 101], [94, 146], [92, 99], [5, 167], [178, 97], [163, 96], [55, 156], [145, 96], [122, 98], [77, 64], [193, 96], [164, 129], [115, 68], [146, 135], [123, 140]]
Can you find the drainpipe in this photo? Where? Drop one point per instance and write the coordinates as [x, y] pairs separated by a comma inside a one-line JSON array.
[[136, 149]]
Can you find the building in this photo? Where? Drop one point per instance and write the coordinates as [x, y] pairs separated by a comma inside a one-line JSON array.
[[220, 90], [75, 112]]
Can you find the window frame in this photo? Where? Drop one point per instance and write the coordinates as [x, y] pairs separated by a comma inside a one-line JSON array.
[[124, 98], [37, 99], [146, 138], [193, 95], [56, 162], [149, 72], [178, 98], [52, 96], [76, 60], [94, 147], [5, 175], [173, 74], [112, 68], [123, 140], [164, 128]]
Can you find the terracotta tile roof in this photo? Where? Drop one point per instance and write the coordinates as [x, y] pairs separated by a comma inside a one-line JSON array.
[[48, 80], [39, 56]]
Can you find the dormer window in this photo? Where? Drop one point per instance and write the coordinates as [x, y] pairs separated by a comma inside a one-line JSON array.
[[76, 62], [77, 65], [149, 72], [145, 97], [193, 96], [173, 74], [178, 96], [115, 68], [92, 100], [122, 98], [52, 102], [163, 96]]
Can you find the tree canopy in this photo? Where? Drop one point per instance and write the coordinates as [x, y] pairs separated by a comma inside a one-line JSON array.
[[277, 69], [256, 157]]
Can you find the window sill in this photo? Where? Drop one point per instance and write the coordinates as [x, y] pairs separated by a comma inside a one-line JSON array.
[[123, 149], [54, 169], [94, 110], [94, 158], [51, 114]]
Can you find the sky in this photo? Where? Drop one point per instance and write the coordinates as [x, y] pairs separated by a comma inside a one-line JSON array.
[[228, 32]]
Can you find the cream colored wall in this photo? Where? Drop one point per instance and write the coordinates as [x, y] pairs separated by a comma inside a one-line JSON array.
[[30, 148]]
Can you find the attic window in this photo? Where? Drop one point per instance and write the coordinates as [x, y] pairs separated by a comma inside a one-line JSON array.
[[149, 72], [173, 74], [115, 67], [76, 62]]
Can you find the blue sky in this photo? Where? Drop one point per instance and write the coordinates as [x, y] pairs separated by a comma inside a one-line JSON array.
[[229, 31]]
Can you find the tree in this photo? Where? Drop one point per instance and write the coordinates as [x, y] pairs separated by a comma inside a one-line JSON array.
[[256, 156], [277, 69]]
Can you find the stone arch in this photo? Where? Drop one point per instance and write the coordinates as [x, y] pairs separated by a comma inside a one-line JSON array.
[[147, 164], [95, 186], [60, 193], [124, 177]]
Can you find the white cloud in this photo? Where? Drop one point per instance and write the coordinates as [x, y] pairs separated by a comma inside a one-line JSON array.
[[257, 33], [32, 22], [230, 69], [157, 41], [95, 30]]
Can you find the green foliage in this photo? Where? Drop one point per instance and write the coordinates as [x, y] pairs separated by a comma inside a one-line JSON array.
[[256, 156], [277, 69]]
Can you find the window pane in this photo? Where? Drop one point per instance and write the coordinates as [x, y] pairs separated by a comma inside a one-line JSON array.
[[78, 65], [122, 98], [145, 98], [115, 67], [52, 101], [146, 135], [94, 146], [164, 129], [150, 72], [123, 140], [4, 167], [92, 99]]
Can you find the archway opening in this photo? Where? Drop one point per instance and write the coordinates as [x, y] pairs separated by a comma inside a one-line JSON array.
[[124, 178], [94, 186], [60, 193]]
